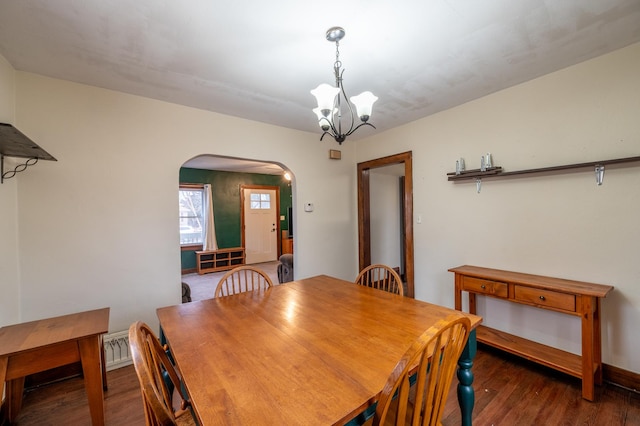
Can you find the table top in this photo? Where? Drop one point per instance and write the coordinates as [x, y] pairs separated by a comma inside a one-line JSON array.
[[36, 334], [313, 351]]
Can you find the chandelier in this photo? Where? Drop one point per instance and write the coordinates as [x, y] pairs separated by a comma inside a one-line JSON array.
[[332, 99]]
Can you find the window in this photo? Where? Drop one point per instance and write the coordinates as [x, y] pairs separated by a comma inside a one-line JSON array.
[[191, 214], [260, 201]]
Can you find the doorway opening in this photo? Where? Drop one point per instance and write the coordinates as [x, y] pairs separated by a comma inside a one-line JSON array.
[[405, 229]]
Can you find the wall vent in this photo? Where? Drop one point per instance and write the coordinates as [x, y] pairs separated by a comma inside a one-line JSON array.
[[116, 350]]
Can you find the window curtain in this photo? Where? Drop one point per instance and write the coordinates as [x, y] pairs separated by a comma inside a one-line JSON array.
[[209, 235]]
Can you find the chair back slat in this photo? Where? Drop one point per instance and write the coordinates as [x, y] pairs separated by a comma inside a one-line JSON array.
[[381, 277], [432, 359], [158, 379], [241, 279]]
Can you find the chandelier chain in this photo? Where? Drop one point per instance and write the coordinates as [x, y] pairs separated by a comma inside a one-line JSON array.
[[337, 65]]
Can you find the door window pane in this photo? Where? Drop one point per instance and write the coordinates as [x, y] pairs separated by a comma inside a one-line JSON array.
[[260, 201]]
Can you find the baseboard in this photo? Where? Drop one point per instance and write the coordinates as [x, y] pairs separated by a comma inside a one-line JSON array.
[[189, 271], [618, 376]]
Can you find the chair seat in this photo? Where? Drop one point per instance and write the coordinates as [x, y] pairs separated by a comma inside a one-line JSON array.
[[185, 419]]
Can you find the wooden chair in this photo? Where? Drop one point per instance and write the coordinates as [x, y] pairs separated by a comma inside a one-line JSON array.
[[241, 279], [381, 277], [433, 357], [158, 379]]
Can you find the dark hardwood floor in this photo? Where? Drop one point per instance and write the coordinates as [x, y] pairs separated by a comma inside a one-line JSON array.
[[512, 391], [65, 402], [509, 391]]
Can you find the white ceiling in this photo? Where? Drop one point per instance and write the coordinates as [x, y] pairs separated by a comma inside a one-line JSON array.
[[258, 59], [238, 165]]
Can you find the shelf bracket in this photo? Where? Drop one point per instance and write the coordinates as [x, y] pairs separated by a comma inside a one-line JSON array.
[[599, 174], [19, 168], [478, 185]]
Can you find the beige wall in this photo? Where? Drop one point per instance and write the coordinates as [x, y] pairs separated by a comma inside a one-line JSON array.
[[99, 227], [9, 281], [7, 92], [384, 203], [561, 225]]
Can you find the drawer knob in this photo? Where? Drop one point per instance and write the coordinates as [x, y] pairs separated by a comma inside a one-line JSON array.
[[483, 286], [542, 298]]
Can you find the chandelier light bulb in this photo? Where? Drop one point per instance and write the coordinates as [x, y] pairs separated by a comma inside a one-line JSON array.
[[323, 121], [326, 96], [364, 104]]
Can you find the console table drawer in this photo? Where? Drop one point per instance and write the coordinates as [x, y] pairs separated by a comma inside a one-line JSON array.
[[545, 298], [478, 285]]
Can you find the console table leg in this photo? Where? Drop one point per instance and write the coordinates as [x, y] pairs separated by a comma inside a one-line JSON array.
[[588, 343], [597, 342], [465, 379]]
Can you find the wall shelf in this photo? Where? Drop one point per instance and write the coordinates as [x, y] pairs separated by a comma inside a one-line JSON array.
[[14, 143], [497, 172], [474, 173]]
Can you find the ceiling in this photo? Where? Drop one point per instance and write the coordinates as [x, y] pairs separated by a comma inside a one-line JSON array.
[[259, 60], [238, 165]]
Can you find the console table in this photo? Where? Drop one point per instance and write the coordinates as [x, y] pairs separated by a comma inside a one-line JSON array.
[[576, 298]]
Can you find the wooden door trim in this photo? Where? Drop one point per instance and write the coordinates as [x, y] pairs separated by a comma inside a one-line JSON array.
[[364, 213], [242, 219]]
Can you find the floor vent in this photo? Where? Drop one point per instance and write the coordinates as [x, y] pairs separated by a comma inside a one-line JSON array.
[[116, 350]]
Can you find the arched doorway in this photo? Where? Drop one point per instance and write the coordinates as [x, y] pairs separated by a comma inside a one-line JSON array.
[[227, 176]]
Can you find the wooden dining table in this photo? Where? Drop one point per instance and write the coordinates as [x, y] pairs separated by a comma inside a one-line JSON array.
[[315, 351]]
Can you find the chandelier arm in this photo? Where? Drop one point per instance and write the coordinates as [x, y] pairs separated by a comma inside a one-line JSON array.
[[357, 127], [346, 100], [338, 72], [332, 130]]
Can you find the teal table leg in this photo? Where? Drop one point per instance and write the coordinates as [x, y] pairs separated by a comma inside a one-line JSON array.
[[465, 379]]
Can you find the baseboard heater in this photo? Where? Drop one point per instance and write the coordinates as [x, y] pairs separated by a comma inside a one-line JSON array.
[[116, 350]]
